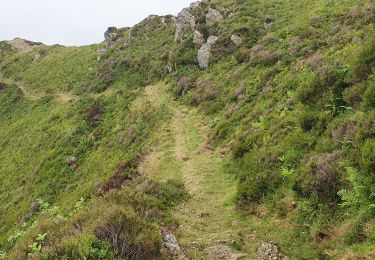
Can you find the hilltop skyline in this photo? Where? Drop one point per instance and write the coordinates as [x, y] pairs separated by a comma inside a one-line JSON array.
[[80, 22]]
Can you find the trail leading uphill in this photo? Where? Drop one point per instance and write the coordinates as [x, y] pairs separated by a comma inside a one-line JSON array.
[[209, 217]]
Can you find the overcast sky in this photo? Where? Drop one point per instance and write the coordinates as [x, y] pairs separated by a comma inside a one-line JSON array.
[[76, 22]]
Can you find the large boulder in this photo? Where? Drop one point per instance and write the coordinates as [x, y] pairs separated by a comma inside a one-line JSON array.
[[213, 16], [204, 53], [111, 36], [198, 39], [185, 23]]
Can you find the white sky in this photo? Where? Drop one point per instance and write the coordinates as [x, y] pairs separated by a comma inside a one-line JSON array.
[[76, 22]]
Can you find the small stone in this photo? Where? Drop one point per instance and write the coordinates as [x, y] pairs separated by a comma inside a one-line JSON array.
[[72, 162], [236, 39]]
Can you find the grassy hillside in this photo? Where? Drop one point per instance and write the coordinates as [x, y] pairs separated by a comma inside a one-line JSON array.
[[276, 136]]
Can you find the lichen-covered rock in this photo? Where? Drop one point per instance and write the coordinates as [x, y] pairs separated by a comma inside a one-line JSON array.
[[223, 253], [198, 39], [204, 53], [269, 251], [185, 23], [213, 16], [110, 36], [172, 249]]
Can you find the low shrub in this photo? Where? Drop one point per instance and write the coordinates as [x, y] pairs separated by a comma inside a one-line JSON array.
[[85, 247], [369, 95], [365, 61], [307, 120], [184, 85], [320, 178], [129, 236], [106, 74], [222, 48], [368, 157], [257, 186]]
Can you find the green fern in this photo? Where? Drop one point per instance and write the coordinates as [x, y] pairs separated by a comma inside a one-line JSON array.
[[362, 192]]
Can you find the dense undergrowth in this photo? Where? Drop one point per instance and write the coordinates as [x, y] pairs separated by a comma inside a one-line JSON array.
[[295, 102]]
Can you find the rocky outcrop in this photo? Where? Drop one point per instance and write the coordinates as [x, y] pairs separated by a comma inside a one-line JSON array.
[[198, 39], [204, 53], [185, 23], [22, 45], [269, 251], [213, 17], [111, 36], [195, 5]]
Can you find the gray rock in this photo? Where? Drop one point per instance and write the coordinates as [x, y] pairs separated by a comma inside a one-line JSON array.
[[204, 53], [212, 39], [213, 16], [185, 23], [110, 36], [223, 253], [236, 39], [198, 39], [269, 251]]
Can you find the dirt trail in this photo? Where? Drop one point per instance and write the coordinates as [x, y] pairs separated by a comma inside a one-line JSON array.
[[209, 217], [62, 97]]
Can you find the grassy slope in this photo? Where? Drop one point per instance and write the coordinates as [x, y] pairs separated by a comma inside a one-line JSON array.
[[279, 115]]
